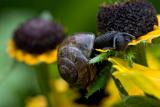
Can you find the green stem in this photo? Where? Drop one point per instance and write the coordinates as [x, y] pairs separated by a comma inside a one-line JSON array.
[[123, 92], [43, 80]]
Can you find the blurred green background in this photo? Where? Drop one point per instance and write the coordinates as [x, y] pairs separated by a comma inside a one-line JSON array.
[[75, 15], [17, 81]]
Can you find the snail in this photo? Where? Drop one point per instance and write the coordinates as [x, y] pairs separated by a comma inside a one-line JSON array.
[[75, 51]]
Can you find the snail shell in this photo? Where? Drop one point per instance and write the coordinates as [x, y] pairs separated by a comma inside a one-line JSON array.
[[73, 58]]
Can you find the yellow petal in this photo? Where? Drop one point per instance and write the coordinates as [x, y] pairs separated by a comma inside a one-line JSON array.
[[121, 63], [102, 50], [52, 57], [113, 97], [158, 16], [61, 86], [137, 79], [128, 84], [149, 36], [31, 59], [38, 101], [42, 57], [152, 61], [19, 55], [11, 49]]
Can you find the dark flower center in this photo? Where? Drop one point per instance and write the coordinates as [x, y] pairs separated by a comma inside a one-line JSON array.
[[136, 17], [37, 36]]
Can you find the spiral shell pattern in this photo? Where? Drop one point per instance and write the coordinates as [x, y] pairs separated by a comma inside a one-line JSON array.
[[73, 57]]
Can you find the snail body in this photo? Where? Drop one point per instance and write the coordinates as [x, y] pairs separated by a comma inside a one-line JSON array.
[[113, 39], [75, 51]]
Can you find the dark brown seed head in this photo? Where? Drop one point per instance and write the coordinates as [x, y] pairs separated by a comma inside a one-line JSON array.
[[136, 17], [38, 35]]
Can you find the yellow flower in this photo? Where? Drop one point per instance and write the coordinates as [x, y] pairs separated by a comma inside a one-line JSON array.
[[152, 56], [113, 95], [60, 86], [38, 101], [152, 61], [35, 41], [158, 16], [144, 38], [149, 36], [31, 59], [138, 79], [101, 50]]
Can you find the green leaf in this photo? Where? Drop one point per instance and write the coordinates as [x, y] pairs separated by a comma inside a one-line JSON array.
[[141, 101], [130, 57], [100, 57], [139, 53], [100, 81], [138, 101], [156, 40], [119, 104]]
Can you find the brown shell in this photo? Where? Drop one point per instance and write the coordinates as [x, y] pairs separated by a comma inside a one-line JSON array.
[[73, 57]]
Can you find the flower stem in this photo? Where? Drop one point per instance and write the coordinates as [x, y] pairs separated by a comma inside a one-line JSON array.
[[43, 80], [123, 92]]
